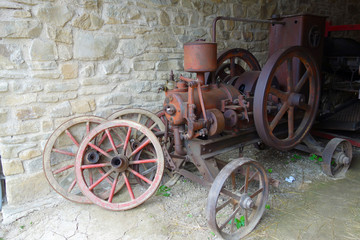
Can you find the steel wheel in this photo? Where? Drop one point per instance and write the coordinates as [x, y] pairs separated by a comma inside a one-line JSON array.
[[337, 157], [284, 94], [119, 159], [234, 62], [237, 198], [60, 152]]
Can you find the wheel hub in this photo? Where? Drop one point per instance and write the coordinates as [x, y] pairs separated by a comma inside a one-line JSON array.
[[92, 156], [246, 202], [120, 163], [341, 158], [296, 99]]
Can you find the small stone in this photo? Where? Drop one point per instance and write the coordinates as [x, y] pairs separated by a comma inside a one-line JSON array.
[[65, 52], [161, 40], [93, 81], [114, 99], [47, 125], [70, 70], [27, 113], [22, 14], [29, 154], [10, 56], [88, 70], [59, 34], [89, 22], [164, 19], [82, 106], [144, 66], [12, 167], [62, 87], [54, 15], [16, 100], [4, 87], [3, 115], [131, 48], [46, 75], [61, 110], [42, 50], [170, 64], [20, 29]]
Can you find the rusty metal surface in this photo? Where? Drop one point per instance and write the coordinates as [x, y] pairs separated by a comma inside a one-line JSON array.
[[200, 56], [298, 98]]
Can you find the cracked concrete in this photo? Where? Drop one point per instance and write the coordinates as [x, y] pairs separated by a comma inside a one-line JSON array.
[[313, 207]]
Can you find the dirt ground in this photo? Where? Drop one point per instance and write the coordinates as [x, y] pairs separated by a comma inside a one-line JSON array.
[[312, 207]]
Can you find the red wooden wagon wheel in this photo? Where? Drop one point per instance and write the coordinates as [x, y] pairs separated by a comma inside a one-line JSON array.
[[237, 198], [119, 160], [60, 152], [287, 91]]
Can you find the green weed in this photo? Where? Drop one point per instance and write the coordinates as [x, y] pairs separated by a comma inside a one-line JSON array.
[[163, 191]]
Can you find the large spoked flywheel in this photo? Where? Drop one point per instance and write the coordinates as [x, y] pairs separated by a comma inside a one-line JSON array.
[[287, 97]]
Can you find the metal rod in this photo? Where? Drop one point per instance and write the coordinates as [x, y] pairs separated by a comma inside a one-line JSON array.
[[241, 20]]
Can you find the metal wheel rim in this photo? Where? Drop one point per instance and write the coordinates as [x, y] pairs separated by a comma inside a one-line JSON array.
[[133, 202], [328, 167], [47, 167], [217, 186], [262, 92]]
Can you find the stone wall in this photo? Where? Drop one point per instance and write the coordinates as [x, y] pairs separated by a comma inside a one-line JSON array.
[[66, 58]]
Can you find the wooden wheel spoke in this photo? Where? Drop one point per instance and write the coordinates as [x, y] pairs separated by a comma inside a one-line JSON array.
[[247, 179], [304, 107], [151, 154], [140, 147], [100, 180], [230, 194], [72, 185], [223, 205], [111, 141], [232, 216], [147, 171], [232, 66], [103, 137], [99, 165], [278, 116], [63, 169], [278, 93], [143, 161], [127, 139], [113, 187], [289, 79], [99, 150], [252, 177], [112, 149], [63, 152], [140, 176], [302, 81], [131, 193], [71, 137], [257, 192], [291, 122]]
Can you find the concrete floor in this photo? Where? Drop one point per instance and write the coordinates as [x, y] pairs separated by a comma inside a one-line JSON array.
[[323, 209]]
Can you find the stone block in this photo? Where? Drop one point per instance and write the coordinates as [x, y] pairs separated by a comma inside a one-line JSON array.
[[114, 99], [61, 110], [10, 56], [12, 167], [31, 112], [88, 70], [83, 106], [144, 66], [4, 113], [68, 96], [89, 46], [47, 125], [62, 87], [19, 128], [132, 47], [94, 81], [70, 70], [89, 22], [22, 14], [96, 90], [48, 98], [20, 29], [26, 188], [120, 13], [175, 65], [29, 154], [59, 34], [4, 87], [164, 19], [42, 50], [46, 74], [48, 65], [65, 52], [161, 40], [16, 100], [54, 15]]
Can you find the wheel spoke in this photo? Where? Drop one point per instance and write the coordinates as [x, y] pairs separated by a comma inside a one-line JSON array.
[[257, 192], [304, 107], [91, 180], [127, 139], [99, 165], [149, 153], [278, 116], [250, 179], [102, 174], [230, 218], [143, 161], [72, 185], [302, 81], [102, 139], [223, 205], [140, 147], [152, 126], [233, 182], [71, 137], [278, 93], [230, 194], [111, 141], [113, 187], [232, 67], [63, 169], [291, 122], [100, 180], [63, 152], [247, 179], [99, 150], [147, 171], [289, 80], [140, 176], [131, 193]]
